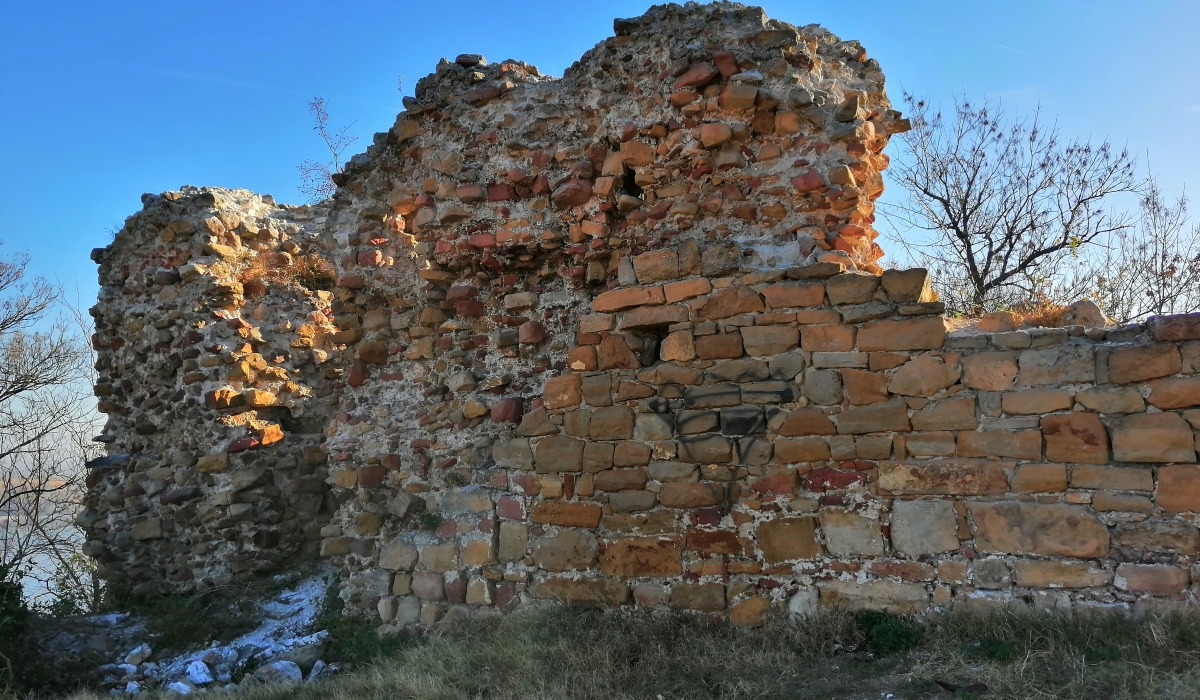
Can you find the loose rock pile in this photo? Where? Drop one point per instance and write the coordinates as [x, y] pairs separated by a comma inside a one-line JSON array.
[[623, 338]]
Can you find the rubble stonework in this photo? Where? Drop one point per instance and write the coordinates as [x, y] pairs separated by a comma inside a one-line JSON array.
[[622, 338]]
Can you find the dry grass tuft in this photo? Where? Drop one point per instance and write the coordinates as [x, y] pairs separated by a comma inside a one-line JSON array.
[[590, 655], [308, 271]]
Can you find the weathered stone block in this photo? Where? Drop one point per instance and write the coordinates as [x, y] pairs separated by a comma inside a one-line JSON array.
[[1175, 392], [952, 477], [1152, 437], [558, 453], [822, 386], [705, 597], [947, 414], [827, 338], [785, 539], [851, 288], [805, 449], [1075, 437], [719, 346], [1017, 444], [643, 556], [569, 550], [1179, 488], [763, 341], [738, 371], [1152, 579], [566, 514], [730, 301], [1060, 364], [743, 420], [898, 598], [1142, 362], [1038, 528], [691, 494], [604, 592], [791, 295], [924, 375], [609, 423], [908, 286], [705, 449], [921, 333], [989, 371], [848, 533], [924, 527], [890, 415], [1059, 574], [1035, 401], [1112, 478], [1158, 536], [1040, 478], [806, 421], [1111, 400], [715, 396]]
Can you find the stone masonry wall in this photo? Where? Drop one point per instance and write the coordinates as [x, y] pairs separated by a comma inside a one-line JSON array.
[[623, 338]]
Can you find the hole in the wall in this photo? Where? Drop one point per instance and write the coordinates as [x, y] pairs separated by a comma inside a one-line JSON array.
[[629, 184]]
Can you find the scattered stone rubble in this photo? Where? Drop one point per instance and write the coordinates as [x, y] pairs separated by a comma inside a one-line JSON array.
[[623, 338], [283, 649]]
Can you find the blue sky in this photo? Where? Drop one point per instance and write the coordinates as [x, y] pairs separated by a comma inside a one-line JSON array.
[[101, 102]]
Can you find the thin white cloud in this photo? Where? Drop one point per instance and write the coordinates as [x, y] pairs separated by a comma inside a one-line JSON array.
[[1009, 48]]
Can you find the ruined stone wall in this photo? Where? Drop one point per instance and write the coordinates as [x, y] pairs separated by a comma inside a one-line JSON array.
[[623, 337]]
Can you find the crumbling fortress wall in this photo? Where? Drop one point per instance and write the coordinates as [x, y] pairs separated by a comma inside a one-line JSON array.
[[623, 338]]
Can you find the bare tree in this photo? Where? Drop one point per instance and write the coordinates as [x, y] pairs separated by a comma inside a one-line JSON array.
[[316, 177], [46, 422], [1154, 269], [1005, 201]]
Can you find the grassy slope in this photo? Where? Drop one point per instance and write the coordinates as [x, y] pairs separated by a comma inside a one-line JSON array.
[[577, 653]]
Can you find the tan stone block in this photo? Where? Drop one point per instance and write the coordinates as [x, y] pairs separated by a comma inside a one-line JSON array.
[[924, 375], [651, 317], [514, 541], [924, 527], [719, 346], [806, 421], [931, 444], [1158, 536], [794, 295], [606, 592], [818, 316], [1112, 478], [1179, 488], [620, 479], [569, 550], [1040, 478], [335, 546], [614, 353], [1152, 437], [889, 416], [827, 338], [564, 391], [678, 346], [705, 597], [1058, 364], [477, 553], [921, 333], [398, 555], [784, 539], [643, 556], [1111, 400], [610, 423], [989, 371], [763, 341], [908, 286], [952, 572], [1151, 578], [805, 449], [656, 266], [751, 612], [848, 533], [691, 494], [947, 414], [631, 454], [619, 299], [730, 301], [851, 288], [345, 478], [904, 570], [714, 134], [1104, 502], [584, 359], [559, 453], [440, 557], [953, 477], [1175, 392], [1038, 528], [1142, 362], [890, 596], [1075, 437], [566, 514], [1017, 444], [1035, 401], [679, 291], [1059, 574], [863, 387]]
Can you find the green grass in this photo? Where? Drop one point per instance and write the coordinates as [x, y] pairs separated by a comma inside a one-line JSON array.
[[553, 653]]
